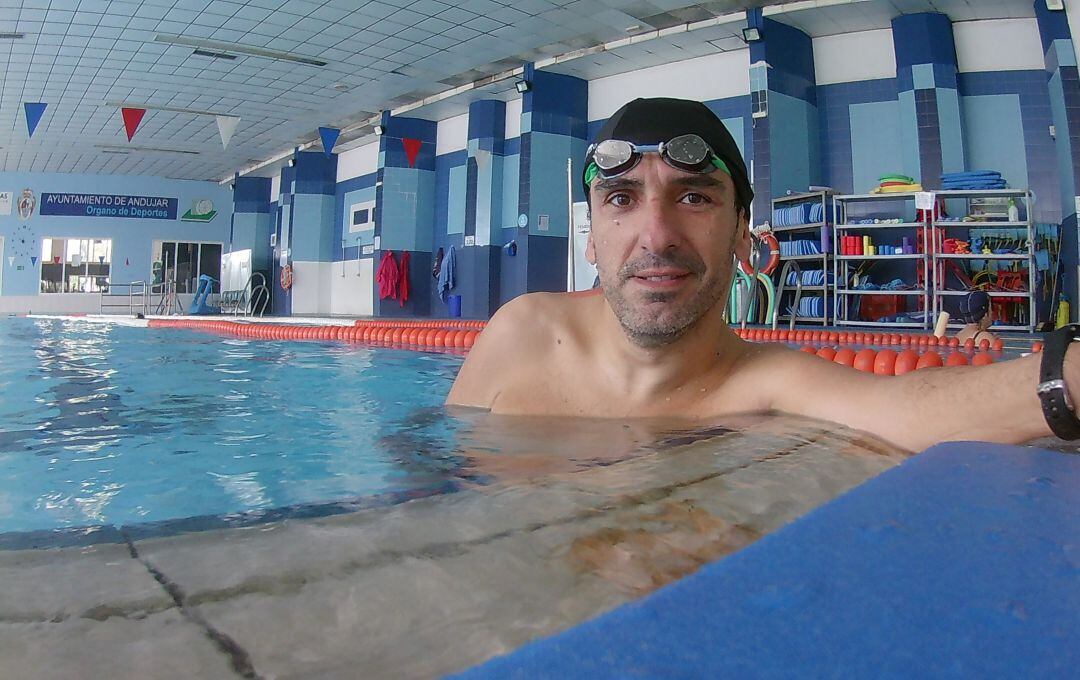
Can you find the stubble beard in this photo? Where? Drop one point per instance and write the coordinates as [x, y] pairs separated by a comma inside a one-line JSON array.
[[650, 323]]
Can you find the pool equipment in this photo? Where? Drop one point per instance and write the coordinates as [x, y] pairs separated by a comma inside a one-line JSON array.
[[202, 293]]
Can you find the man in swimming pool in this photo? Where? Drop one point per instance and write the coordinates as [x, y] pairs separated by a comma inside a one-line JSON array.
[[670, 196]]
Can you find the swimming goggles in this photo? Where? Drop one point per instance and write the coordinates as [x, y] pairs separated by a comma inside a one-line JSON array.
[[614, 157]]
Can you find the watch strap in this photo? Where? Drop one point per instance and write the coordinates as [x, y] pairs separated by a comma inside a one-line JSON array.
[[1057, 406]]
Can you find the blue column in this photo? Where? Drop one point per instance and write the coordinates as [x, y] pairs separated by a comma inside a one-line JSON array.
[[405, 208], [312, 230], [1064, 85], [478, 262], [251, 224], [933, 139], [783, 93], [554, 122], [282, 216]]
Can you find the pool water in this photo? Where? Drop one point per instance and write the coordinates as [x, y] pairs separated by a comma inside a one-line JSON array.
[[305, 509], [102, 424]]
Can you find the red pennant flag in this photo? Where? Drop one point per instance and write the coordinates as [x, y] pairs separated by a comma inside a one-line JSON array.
[[132, 118], [412, 150]]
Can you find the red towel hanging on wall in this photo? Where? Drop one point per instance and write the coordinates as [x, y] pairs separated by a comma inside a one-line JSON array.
[[403, 279], [388, 275]]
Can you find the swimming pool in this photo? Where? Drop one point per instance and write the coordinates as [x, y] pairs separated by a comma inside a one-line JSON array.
[[314, 566], [107, 425]]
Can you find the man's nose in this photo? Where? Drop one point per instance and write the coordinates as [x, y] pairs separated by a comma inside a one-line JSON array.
[[660, 231]]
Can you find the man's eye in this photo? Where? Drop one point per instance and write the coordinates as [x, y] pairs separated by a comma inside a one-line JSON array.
[[621, 200], [695, 199]]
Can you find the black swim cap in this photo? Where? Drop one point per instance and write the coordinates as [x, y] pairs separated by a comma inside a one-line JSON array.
[[974, 306], [652, 121]]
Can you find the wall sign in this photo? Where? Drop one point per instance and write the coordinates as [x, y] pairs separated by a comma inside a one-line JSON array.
[[5, 202], [109, 205]]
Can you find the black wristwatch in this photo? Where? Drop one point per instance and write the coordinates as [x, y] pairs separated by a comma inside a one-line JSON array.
[[1058, 408]]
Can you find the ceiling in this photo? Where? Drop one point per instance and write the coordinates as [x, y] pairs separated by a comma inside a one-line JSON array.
[[86, 57]]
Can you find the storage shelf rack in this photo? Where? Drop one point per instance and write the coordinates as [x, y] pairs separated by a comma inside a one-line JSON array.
[[783, 300]]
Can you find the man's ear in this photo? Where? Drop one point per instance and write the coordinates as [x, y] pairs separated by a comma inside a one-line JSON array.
[[742, 236], [590, 249]]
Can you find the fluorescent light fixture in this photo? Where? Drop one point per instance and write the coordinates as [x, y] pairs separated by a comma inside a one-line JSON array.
[[522, 86], [379, 130], [8, 35], [109, 148], [751, 34], [213, 55], [174, 109], [221, 46]]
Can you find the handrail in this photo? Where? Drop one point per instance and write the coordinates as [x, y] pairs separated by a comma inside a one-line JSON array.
[[790, 265], [136, 297]]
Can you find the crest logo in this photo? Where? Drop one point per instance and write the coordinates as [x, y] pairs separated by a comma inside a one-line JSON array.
[[201, 211], [27, 204]]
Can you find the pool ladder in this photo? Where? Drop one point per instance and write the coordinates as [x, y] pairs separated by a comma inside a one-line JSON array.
[[133, 302]]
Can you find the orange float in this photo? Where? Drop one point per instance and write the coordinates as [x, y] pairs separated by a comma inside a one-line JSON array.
[[906, 362], [845, 357], [982, 359], [864, 360], [930, 359], [956, 359], [827, 353], [885, 362]]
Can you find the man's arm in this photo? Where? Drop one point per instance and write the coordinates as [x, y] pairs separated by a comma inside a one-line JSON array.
[[994, 403]]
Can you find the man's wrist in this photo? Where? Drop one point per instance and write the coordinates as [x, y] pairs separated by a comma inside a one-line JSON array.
[[1059, 382], [1070, 372]]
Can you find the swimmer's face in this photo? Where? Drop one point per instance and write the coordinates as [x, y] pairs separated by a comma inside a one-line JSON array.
[[662, 240]]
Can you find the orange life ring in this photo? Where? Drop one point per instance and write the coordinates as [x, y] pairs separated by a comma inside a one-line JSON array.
[[774, 256], [286, 277]]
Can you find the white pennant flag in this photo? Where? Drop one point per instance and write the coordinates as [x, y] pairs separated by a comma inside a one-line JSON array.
[[226, 126]]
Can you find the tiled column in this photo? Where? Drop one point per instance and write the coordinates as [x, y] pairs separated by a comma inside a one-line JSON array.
[[312, 232], [251, 223], [405, 208], [783, 92], [479, 259], [282, 299], [933, 139], [554, 122], [1064, 85]]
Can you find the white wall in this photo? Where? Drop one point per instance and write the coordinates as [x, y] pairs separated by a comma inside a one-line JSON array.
[[452, 134], [275, 188], [363, 160], [513, 119], [852, 57], [352, 294], [1072, 8], [311, 288], [998, 45], [716, 76]]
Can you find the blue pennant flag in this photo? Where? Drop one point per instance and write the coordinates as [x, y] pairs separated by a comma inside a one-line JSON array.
[[34, 111], [329, 139], [33, 261]]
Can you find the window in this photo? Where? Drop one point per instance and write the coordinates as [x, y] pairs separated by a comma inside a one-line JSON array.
[[184, 263], [363, 217], [75, 265]]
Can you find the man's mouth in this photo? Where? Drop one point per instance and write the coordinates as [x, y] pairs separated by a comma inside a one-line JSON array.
[[661, 279]]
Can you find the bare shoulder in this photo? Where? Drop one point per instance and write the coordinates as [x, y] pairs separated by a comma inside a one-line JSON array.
[[527, 327]]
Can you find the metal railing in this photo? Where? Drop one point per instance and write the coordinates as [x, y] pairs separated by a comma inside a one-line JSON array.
[[251, 300], [134, 301]]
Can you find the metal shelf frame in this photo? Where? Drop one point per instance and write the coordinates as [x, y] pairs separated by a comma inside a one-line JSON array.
[[824, 198], [901, 202], [1028, 255]]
